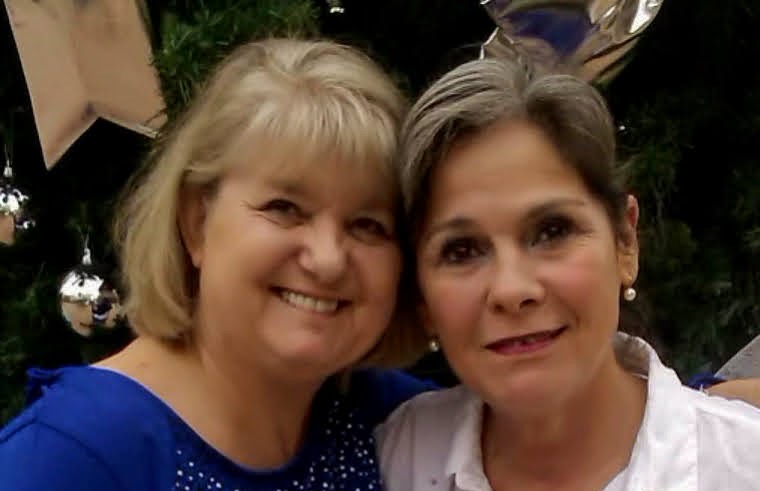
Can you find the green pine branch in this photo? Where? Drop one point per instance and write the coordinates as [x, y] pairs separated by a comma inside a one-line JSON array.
[[195, 40]]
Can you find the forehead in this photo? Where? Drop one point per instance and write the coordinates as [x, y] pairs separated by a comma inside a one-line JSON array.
[[304, 129], [512, 165], [297, 170]]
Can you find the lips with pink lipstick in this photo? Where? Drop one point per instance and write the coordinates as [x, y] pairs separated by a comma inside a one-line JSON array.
[[528, 343]]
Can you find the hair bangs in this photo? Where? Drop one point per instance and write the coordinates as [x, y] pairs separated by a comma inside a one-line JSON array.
[[309, 127]]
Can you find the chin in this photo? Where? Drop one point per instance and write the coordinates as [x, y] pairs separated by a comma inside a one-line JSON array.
[[318, 358], [534, 390]]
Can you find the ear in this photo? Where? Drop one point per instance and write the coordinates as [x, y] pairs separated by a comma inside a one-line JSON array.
[[628, 243], [424, 315], [191, 218]]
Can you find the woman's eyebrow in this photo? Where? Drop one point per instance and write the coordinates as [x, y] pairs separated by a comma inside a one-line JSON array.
[[462, 222], [456, 223], [552, 206]]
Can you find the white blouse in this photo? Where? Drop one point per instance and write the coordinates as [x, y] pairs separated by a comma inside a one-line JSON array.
[[688, 441]]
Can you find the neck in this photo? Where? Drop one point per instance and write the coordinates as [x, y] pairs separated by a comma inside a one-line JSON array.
[[567, 446], [254, 417]]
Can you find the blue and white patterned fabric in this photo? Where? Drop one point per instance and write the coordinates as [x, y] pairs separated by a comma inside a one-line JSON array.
[[94, 429]]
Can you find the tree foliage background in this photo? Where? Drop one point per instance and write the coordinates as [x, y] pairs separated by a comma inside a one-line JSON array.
[[689, 102]]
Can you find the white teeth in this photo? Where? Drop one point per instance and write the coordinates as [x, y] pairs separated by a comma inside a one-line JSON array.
[[309, 303], [529, 339]]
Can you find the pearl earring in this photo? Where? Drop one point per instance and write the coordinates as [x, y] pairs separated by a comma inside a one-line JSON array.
[[434, 345], [629, 294]]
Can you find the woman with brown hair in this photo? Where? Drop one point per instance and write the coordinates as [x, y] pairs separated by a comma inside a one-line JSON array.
[[526, 247]]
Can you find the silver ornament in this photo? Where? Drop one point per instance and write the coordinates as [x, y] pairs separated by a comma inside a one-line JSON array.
[[336, 6], [588, 38], [13, 214], [87, 300]]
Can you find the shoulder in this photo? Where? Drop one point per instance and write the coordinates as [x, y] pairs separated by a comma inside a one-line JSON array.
[[423, 435], [35, 456], [728, 432], [696, 434], [89, 420], [378, 392], [721, 420], [424, 416], [97, 406]]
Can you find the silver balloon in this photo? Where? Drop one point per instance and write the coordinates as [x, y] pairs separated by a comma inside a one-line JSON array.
[[13, 214], [88, 301], [588, 38], [744, 364]]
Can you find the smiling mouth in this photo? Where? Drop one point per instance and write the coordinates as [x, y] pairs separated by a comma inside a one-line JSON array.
[[528, 343], [309, 303]]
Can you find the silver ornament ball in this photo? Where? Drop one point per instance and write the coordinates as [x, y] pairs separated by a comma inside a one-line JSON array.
[[13, 214], [88, 302]]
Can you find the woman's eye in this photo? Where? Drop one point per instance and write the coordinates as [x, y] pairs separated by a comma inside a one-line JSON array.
[[460, 250], [283, 210], [282, 206], [552, 230], [370, 227]]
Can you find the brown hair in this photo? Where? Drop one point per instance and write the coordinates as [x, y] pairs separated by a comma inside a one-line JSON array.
[[478, 94]]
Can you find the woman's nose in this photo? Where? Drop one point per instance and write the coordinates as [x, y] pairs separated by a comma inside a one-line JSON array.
[[324, 255], [514, 285]]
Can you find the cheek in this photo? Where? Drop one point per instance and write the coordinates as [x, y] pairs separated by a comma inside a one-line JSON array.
[[453, 305], [243, 250], [587, 283]]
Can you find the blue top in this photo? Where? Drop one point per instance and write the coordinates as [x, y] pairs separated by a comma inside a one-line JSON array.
[[704, 380], [94, 429]]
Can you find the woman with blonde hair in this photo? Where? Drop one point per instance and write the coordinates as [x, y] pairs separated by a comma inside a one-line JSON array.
[[261, 258], [526, 248]]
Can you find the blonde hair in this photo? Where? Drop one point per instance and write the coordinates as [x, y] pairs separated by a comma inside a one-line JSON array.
[[311, 97]]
